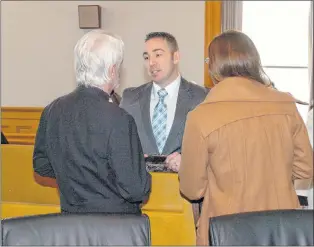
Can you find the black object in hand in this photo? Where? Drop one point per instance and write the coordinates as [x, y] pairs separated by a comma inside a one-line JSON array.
[[156, 159]]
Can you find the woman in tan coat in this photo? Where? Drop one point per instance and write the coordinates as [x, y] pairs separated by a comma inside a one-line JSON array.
[[246, 144]]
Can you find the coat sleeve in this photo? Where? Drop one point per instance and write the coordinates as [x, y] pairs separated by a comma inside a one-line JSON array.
[[126, 158], [194, 160], [309, 126], [41, 163], [303, 153]]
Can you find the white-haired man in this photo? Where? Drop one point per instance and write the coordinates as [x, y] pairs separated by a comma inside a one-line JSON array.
[[89, 146]]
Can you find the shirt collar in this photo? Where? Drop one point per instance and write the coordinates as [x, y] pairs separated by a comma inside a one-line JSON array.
[[93, 90], [172, 89]]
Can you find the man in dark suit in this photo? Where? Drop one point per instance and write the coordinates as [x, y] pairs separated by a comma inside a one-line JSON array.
[[89, 145], [160, 107]]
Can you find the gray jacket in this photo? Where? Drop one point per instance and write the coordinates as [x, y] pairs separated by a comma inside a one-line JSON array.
[[136, 101]]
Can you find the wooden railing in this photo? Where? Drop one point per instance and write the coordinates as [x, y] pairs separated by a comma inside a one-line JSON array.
[[19, 124]]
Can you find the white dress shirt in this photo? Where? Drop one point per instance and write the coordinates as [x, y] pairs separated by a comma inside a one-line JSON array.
[[170, 100]]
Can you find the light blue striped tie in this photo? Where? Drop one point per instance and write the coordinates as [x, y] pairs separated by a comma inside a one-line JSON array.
[[159, 123]]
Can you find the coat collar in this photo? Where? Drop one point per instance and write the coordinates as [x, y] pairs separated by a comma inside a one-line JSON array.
[[93, 91], [240, 89]]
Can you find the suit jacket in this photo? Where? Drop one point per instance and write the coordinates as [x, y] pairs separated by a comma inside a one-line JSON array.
[[136, 101], [92, 148]]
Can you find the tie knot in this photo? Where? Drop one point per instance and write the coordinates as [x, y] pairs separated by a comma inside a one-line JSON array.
[[162, 93]]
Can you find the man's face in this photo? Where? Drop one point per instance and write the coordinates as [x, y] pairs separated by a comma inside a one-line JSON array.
[[160, 61]]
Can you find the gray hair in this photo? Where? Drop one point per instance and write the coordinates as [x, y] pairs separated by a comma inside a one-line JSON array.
[[94, 54]]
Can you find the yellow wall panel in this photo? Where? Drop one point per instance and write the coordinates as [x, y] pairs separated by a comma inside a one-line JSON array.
[[171, 216], [17, 183], [10, 209]]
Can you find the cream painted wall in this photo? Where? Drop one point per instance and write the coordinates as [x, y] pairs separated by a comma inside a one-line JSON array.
[[37, 40]]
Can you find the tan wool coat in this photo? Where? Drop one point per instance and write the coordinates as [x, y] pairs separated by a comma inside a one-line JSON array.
[[243, 148]]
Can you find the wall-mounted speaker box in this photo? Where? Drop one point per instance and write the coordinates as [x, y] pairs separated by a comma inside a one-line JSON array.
[[89, 16]]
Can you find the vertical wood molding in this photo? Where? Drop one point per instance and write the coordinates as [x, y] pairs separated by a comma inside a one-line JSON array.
[[212, 29]]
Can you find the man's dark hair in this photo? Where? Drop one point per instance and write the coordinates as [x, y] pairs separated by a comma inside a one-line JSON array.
[[171, 40]]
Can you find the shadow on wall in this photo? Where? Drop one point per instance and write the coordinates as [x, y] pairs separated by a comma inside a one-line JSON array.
[[123, 79], [146, 75]]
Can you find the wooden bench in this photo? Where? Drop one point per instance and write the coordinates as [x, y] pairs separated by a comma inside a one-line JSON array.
[[170, 215]]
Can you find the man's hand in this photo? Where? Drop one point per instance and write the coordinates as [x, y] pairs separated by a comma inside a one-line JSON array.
[[45, 181], [173, 161]]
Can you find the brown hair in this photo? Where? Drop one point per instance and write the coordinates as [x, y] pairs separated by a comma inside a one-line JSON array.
[[232, 54], [171, 40]]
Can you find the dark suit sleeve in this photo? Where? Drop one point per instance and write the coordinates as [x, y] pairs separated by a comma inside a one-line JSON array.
[[41, 164], [127, 161], [123, 101], [126, 97]]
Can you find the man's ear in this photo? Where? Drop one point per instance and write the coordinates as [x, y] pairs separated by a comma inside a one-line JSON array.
[[176, 57], [113, 72]]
